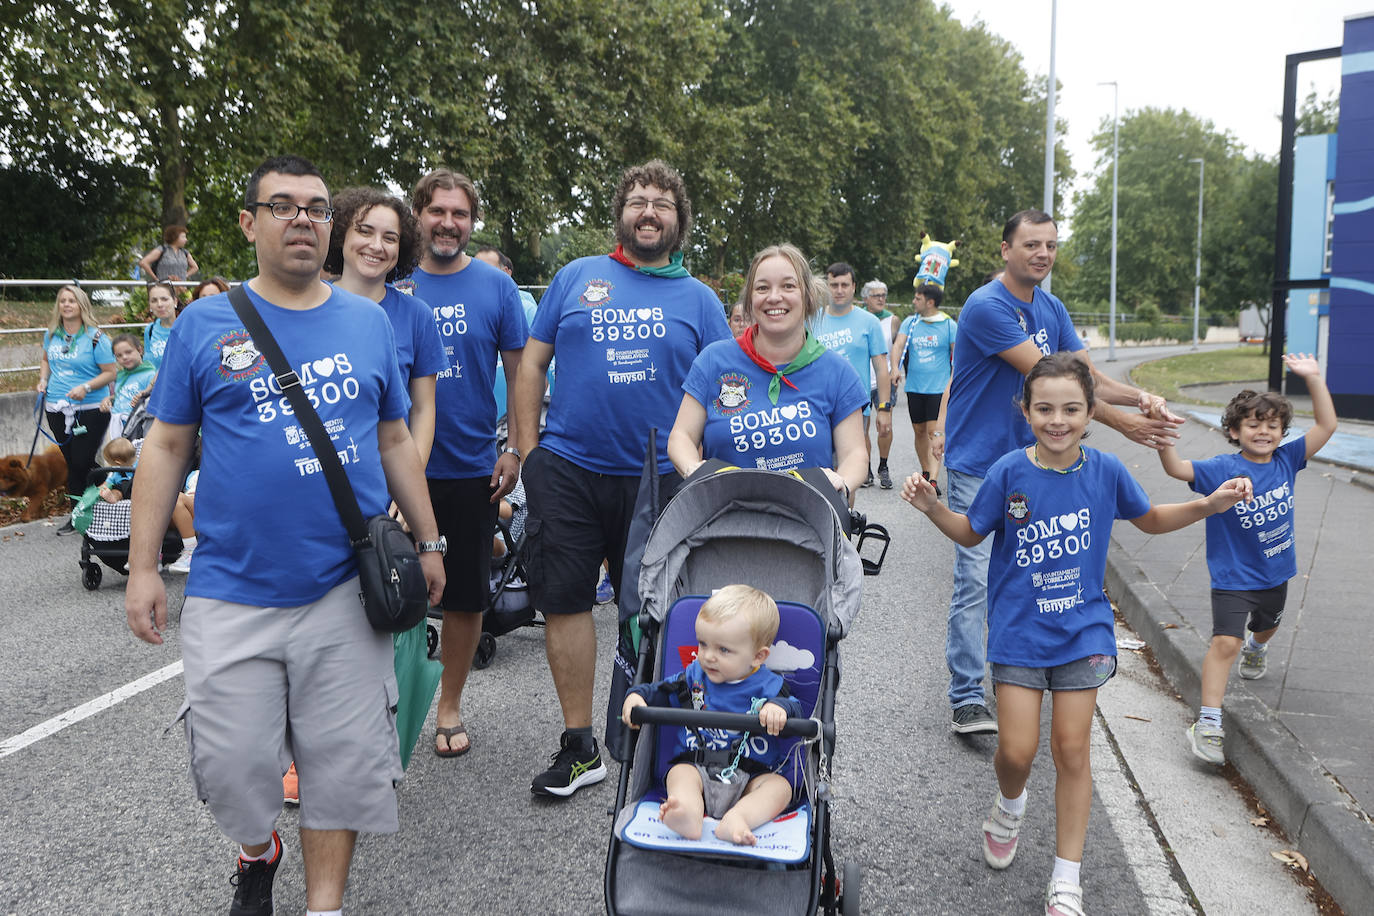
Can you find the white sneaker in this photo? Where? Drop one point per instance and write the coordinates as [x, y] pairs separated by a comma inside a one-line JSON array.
[[1063, 899], [182, 564]]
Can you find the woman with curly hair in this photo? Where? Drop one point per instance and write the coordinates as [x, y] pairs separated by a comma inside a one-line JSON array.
[[375, 241]]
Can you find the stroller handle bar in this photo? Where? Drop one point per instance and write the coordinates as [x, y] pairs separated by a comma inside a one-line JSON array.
[[732, 721]]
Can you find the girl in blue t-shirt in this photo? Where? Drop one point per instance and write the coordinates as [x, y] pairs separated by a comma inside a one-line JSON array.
[[162, 305], [134, 377], [1050, 507]]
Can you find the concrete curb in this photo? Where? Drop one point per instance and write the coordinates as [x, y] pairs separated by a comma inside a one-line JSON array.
[[1322, 819]]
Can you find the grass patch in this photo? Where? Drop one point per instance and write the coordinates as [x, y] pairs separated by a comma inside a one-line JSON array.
[[1168, 376]]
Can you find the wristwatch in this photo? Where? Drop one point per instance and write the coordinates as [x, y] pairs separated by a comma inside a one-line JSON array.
[[885, 406], [511, 450], [937, 434], [440, 546]]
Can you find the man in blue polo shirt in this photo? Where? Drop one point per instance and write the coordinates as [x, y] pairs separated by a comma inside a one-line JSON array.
[[481, 321], [625, 328], [857, 335], [1005, 327]]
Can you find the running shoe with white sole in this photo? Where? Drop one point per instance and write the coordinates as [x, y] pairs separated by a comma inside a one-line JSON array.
[[577, 764], [1205, 741]]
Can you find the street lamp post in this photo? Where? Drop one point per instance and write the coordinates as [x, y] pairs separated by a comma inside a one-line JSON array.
[[1197, 274], [1116, 123], [1049, 127]]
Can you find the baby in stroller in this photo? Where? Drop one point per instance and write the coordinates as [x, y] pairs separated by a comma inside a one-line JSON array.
[[721, 774]]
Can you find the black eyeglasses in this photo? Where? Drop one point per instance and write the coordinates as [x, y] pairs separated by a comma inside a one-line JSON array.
[[285, 210]]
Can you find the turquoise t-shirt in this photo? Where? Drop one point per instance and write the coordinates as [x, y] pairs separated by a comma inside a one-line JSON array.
[[857, 336], [75, 360]]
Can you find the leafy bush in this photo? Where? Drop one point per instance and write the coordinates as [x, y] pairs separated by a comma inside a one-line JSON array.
[[1177, 332]]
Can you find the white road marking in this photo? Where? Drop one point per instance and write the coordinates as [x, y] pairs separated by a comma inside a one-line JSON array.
[[88, 709]]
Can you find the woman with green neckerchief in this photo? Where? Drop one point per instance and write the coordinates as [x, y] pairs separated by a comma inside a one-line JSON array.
[[774, 397]]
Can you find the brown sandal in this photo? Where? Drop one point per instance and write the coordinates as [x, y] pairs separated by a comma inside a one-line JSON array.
[[449, 734]]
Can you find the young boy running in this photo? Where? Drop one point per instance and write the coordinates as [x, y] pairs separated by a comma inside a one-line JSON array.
[[1251, 549]]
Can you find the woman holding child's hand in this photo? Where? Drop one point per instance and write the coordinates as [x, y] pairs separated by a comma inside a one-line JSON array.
[[775, 397]]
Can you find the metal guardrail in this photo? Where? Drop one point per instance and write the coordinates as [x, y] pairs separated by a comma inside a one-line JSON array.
[[6, 283]]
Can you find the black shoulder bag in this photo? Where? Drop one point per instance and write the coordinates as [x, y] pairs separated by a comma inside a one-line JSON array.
[[394, 594]]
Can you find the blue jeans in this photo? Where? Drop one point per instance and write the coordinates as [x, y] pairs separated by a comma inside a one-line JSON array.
[[966, 646]]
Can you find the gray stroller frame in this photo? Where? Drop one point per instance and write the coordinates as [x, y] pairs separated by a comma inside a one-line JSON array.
[[773, 531]]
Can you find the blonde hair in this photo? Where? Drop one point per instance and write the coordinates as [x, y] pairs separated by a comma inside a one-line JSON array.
[[813, 290], [119, 452], [87, 315], [756, 606]]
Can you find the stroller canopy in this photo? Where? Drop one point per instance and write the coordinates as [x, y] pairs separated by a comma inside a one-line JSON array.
[[767, 529]]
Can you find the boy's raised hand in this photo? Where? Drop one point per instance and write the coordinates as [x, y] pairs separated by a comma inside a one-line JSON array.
[[631, 701], [1302, 364], [1235, 490], [772, 717], [919, 492]]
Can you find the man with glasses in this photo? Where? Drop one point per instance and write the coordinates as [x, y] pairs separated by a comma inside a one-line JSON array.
[[481, 322], [875, 301], [280, 661], [625, 328]]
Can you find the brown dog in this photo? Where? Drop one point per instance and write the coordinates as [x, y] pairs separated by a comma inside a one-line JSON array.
[[47, 473]]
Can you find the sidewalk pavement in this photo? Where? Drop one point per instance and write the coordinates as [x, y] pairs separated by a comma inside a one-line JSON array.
[[1303, 736]]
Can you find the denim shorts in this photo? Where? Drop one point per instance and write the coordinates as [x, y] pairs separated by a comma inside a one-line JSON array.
[[1084, 674]]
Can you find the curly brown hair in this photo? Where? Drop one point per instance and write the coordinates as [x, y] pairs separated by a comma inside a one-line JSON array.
[[659, 174], [351, 206], [1261, 405]]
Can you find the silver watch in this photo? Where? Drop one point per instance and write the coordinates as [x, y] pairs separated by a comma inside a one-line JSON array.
[[440, 546], [512, 450]]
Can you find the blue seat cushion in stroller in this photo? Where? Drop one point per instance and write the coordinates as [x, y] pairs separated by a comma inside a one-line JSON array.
[[798, 655]]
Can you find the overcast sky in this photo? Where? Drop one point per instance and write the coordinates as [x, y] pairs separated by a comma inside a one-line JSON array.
[[1222, 60]]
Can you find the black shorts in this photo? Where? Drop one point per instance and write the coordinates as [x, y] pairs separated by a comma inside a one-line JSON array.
[[576, 519], [923, 408], [467, 517], [1233, 612]]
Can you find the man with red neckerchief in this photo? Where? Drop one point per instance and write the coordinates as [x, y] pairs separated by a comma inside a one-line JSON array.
[[625, 328]]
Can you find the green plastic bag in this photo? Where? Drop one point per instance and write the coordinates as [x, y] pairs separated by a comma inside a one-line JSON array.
[[85, 508], [417, 677]]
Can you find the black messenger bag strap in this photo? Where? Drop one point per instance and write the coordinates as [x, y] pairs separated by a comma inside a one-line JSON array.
[[339, 487]]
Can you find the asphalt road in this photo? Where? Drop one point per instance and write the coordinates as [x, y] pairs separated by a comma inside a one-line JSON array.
[[99, 817]]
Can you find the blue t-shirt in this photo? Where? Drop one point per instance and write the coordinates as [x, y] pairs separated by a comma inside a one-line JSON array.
[[268, 531], [78, 365], [929, 351], [624, 341], [858, 336], [419, 351], [1252, 546], [738, 697], [129, 382], [984, 420], [1046, 606], [499, 387], [155, 336], [744, 428], [478, 314]]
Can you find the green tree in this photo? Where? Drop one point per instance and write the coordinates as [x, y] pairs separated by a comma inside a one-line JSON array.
[[1157, 220]]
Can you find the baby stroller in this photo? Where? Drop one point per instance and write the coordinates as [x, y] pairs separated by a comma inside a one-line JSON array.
[[508, 603], [106, 537], [778, 533]]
